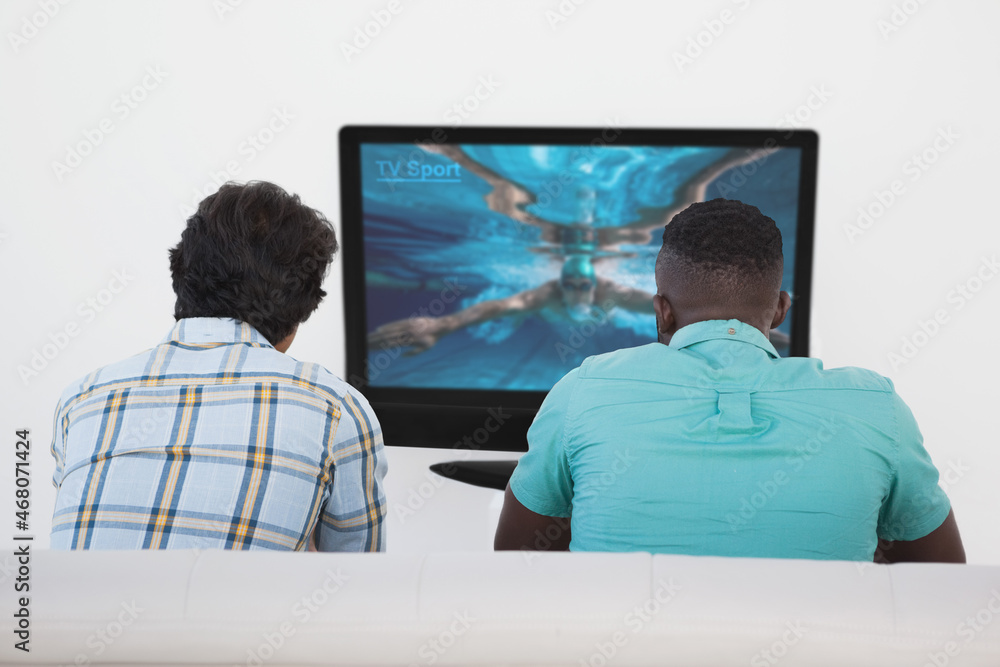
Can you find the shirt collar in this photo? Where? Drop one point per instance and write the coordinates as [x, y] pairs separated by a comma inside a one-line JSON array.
[[212, 331], [721, 330]]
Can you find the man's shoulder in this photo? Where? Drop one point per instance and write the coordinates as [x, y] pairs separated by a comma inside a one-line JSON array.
[[623, 362], [350, 403], [131, 372], [656, 361], [809, 372], [311, 377], [334, 384], [108, 374]]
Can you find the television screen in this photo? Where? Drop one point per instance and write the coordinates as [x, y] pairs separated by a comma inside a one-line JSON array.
[[483, 264]]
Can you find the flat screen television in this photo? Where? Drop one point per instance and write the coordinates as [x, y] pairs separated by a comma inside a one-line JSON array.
[[483, 263]]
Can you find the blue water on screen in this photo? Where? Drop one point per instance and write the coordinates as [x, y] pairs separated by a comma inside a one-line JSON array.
[[433, 247]]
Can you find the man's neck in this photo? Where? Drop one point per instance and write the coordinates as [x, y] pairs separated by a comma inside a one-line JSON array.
[[686, 321]]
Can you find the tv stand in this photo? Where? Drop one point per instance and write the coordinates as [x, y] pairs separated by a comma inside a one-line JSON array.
[[488, 474]]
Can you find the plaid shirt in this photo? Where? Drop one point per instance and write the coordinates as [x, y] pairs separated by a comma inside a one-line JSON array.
[[215, 439]]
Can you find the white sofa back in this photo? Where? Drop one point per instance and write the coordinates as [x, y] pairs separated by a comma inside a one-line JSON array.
[[590, 610]]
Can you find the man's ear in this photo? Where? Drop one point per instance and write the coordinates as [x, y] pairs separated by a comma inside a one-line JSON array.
[[784, 303], [666, 323]]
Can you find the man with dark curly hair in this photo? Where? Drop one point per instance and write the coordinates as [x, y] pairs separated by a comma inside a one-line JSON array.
[[216, 438], [708, 443]]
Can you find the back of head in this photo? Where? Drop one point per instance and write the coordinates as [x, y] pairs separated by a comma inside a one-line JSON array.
[[721, 256], [254, 253]]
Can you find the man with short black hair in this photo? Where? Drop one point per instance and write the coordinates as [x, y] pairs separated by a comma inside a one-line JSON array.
[[708, 443], [216, 438]]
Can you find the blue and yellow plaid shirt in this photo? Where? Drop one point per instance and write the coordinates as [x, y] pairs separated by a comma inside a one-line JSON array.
[[215, 439]]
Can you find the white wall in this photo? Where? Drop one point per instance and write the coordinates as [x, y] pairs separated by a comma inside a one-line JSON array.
[[887, 96]]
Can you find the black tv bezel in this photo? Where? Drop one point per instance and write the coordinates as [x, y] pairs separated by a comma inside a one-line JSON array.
[[458, 417]]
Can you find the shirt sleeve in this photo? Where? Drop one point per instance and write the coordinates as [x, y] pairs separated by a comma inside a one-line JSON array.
[[58, 446], [542, 481], [916, 505], [353, 516]]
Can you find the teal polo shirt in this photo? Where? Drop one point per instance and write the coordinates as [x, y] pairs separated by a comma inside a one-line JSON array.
[[715, 445]]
